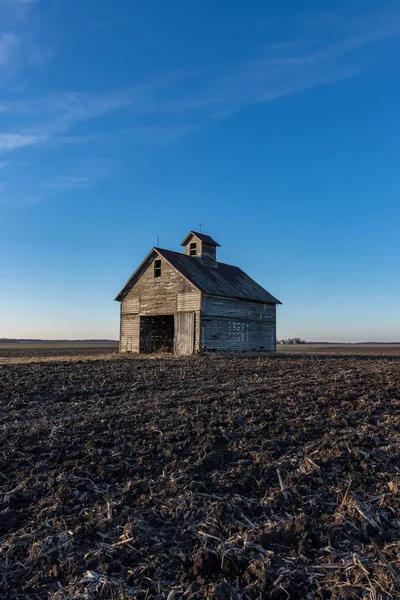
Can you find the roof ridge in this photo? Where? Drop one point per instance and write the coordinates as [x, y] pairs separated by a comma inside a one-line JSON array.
[[195, 258], [207, 239]]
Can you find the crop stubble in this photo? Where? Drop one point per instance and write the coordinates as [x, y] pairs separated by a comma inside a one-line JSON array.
[[244, 478]]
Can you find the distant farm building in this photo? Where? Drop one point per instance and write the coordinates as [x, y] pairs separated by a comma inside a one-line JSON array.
[[189, 302]]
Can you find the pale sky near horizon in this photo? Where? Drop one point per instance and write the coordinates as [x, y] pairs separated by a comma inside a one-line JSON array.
[[274, 123]]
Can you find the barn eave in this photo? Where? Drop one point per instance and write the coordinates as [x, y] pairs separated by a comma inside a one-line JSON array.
[[135, 276]]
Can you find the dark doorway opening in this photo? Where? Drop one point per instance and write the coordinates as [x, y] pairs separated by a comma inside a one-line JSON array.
[[157, 333]]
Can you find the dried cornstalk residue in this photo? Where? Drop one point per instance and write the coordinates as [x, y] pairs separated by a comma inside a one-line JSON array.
[[237, 478]]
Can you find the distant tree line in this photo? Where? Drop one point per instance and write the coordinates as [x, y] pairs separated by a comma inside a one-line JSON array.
[[291, 341]]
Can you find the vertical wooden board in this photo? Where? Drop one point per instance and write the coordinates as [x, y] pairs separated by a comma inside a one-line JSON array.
[[197, 331], [184, 334]]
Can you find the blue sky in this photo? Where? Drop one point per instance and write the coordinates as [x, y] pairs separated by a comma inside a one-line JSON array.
[[275, 123]]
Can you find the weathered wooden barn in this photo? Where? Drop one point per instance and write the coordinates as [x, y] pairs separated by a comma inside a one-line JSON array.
[[190, 302]]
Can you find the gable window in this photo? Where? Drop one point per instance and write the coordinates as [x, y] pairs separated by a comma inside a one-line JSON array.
[[193, 249], [157, 268]]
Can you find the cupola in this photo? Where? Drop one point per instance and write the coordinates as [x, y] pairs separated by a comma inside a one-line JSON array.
[[202, 247]]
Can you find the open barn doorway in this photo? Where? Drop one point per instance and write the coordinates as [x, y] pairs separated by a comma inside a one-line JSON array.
[[157, 333]]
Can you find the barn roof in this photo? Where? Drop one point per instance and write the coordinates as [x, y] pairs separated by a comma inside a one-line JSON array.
[[221, 280], [204, 238]]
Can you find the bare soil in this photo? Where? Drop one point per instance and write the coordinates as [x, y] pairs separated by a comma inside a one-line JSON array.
[[341, 349], [210, 477], [46, 353]]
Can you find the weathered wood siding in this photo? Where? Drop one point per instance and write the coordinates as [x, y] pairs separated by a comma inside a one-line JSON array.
[[129, 335], [207, 253], [158, 295], [235, 325], [188, 302], [184, 337], [220, 324], [150, 296], [199, 243], [131, 305]]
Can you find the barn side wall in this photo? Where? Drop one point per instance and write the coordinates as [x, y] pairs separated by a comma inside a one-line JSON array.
[[230, 325], [150, 296]]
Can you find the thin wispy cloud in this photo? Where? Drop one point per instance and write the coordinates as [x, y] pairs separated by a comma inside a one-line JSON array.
[[154, 136], [283, 69], [290, 67], [17, 52], [323, 50], [9, 49], [54, 115], [18, 48], [83, 174], [51, 118], [18, 4], [67, 108], [12, 10], [67, 182], [16, 195], [12, 141]]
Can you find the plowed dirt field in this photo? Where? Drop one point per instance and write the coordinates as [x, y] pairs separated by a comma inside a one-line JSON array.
[[209, 477]]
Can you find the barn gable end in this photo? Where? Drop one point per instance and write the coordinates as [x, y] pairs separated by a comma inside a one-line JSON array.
[[154, 296]]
